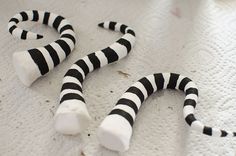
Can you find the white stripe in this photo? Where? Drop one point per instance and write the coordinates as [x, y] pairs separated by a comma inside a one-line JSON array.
[[128, 28], [106, 24], [140, 86], [179, 81], [89, 64], [216, 132], [41, 16], [51, 19], [61, 54], [188, 109], [47, 57], [166, 79], [71, 79], [31, 35], [17, 32], [30, 14], [66, 91], [120, 50], [130, 38], [75, 66], [10, 24], [192, 96], [102, 58], [198, 126], [117, 26], [69, 42], [68, 31], [62, 24], [152, 81], [126, 109], [18, 16], [191, 84], [133, 97], [230, 134]]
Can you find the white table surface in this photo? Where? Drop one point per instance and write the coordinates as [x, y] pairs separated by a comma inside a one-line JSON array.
[[196, 38]]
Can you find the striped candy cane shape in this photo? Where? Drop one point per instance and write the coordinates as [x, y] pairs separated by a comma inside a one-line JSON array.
[[116, 129], [33, 63], [72, 116]]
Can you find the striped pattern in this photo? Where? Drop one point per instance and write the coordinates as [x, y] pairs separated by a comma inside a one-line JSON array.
[[130, 102], [49, 56], [73, 79]]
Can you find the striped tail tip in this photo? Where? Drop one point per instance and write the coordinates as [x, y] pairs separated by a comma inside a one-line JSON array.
[[71, 118], [101, 24], [39, 36]]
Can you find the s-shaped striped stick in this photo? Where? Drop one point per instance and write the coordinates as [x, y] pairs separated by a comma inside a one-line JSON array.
[[72, 116]]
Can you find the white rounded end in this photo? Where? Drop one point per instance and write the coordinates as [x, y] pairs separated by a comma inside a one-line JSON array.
[[71, 118], [25, 67], [115, 133]]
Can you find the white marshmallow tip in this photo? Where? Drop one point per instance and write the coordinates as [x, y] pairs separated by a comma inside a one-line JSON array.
[[71, 123], [25, 68], [115, 133], [110, 140]]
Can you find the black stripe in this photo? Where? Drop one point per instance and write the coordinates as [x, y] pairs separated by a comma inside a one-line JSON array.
[[75, 73], [125, 43], [39, 59], [112, 25], [234, 133], [207, 130], [57, 21], [24, 34], [53, 54], [35, 15], [129, 103], [173, 81], [148, 86], [190, 102], [101, 24], [71, 85], [124, 114], [69, 36], [191, 91], [137, 92], [65, 28], [94, 60], [110, 54], [159, 79], [12, 28], [24, 16], [64, 46], [183, 83], [223, 133], [14, 20], [190, 119], [81, 63], [39, 36], [46, 18], [72, 96], [122, 28], [131, 32]]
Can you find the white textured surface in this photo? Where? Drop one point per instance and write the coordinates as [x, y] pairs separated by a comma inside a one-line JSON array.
[[196, 38]]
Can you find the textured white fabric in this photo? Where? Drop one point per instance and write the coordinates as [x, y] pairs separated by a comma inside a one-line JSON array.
[[193, 38]]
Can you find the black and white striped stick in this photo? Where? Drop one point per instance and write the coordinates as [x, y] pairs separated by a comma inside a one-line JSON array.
[[33, 63], [116, 129], [72, 116]]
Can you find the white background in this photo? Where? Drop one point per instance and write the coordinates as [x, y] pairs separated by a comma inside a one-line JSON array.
[[196, 38]]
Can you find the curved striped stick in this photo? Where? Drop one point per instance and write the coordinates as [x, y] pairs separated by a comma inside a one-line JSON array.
[[116, 129], [72, 116], [33, 63]]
